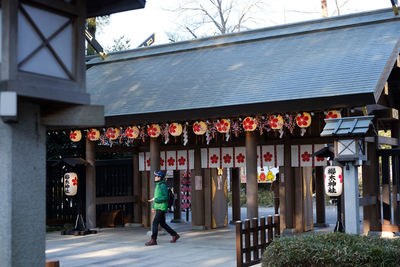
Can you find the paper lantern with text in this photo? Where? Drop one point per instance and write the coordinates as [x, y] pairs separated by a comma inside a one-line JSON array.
[[132, 132], [70, 184], [75, 136], [249, 124], [275, 122], [333, 177], [112, 133], [333, 114], [175, 129], [93, 135], [223, 126], [154, 130], [303, 120], [199, 128]]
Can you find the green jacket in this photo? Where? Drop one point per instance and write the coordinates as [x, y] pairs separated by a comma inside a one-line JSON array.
[[160, 196]]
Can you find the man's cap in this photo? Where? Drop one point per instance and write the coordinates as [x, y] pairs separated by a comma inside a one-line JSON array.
[[159, 174]]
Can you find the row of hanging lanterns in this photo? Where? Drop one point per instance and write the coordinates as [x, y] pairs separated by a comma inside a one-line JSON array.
[[275, 122]]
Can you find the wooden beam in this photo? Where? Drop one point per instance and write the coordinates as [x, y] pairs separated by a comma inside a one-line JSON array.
[[367, 200], [383, 140], [114, 200], [60, 6]]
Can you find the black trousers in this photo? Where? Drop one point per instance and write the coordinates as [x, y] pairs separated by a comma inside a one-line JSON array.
[[159, 219]]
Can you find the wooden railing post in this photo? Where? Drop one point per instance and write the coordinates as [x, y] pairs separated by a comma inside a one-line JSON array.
[[270, 229], [239, 244], [247, 240], [277, 231], [263, 240], [254, 226]]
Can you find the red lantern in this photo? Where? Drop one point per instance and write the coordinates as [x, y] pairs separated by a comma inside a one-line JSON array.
[[199, 128], [75, 136], [175, 129], [93, 135]]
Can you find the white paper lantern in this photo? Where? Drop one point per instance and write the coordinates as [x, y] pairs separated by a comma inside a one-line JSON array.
[[70, 183], [333, 177]]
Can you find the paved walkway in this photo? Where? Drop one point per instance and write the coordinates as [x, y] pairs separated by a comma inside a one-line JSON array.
[[125, 246]]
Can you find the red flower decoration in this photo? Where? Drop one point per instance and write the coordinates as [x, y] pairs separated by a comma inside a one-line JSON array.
[[273, 122], [227, 158], [320, 159], [91, 135], [240, 158], [306, 156], [196, 127], [74, 181], [148, 162], [172, 128], [223, 126], [331, 115], [248, 124], [181, 161], [72, 135], [171, 161], [161, 162], [268, 157], [303, 120], [112, 133], [214, 159], [340, 178]]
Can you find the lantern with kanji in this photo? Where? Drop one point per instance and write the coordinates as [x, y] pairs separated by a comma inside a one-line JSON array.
[[70, 183], [199, 128], [154, 130], [275, 122], [75, 136], [175, 129], [223, 126], [333, 114], [112, 133], [132, 132], [93, 135], [249, 124], [333, 177]]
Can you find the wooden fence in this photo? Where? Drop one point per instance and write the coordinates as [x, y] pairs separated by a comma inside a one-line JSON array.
[[253, 238]]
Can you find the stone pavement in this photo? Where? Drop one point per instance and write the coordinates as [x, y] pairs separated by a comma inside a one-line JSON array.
[[124, 246]]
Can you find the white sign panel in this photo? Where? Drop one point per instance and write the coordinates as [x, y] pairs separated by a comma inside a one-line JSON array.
[[333, 177]]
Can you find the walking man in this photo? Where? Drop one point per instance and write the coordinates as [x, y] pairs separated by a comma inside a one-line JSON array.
[[160, 207]]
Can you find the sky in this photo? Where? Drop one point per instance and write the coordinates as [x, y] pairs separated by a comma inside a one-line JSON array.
[[157, 18]]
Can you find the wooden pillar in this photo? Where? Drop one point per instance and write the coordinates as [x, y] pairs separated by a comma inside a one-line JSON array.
[[207, 199], [90, 184], [154, 162], [251, 176], [177, 192], [298, 200], [197, 192], [320, 197], [137, 190], [289, 186], [146, 206], [395, 133], [282, 198], [370, 184], [236, 216]]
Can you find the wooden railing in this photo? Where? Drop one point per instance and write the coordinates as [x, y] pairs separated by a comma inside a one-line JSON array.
[[252, 238]]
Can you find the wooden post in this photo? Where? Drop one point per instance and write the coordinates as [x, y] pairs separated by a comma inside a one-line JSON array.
[[320, 197], [370, 183], [177, 191], [236, 216], [90, 184], [254, 225], [247, 239], [282, 198], [395, 132], [299, 201], [146, 206], [251, 176], [289, 186], [197, 192], [154, 162], [137, 190], [207, 199], [239, 243]]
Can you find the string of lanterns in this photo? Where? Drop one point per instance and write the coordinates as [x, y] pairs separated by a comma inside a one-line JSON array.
[[273, 122]]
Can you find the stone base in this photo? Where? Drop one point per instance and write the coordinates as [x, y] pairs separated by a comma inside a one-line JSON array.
[[288, 232], [198, 227], [321, 225], [160, 233], [134, 225]]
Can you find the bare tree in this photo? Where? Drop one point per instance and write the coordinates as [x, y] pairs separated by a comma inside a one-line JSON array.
[[121, 43], [213, 17], [324, 7]]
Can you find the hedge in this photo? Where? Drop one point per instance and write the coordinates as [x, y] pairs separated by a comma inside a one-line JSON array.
[[333, 249]]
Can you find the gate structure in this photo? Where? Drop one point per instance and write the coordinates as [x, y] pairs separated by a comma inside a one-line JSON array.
[[389, 177]]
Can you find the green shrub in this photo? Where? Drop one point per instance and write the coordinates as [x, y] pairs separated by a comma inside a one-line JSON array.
[[333, 249]]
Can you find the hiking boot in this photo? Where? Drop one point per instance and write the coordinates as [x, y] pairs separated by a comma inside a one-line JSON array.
[[174, 238], [152, 242]]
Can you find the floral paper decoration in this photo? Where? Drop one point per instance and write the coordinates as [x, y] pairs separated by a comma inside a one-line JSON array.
[[223, 126], [249, 124], [175, 129], [303, 120], [275, 122], [112, 133], [132, 132], [333, 114], [199, 128], [93, 135], [154, 130], [75, 136]]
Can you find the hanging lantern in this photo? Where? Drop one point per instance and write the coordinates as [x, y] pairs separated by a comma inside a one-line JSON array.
[[112, 133], [303, 120], [75, 136], [70, 183], [249, 124], [175, 129], [333, 177], [275, 122], [333, 114], [199, 128], [132, 132], [154, 130], [93, 135], [223, 126]]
